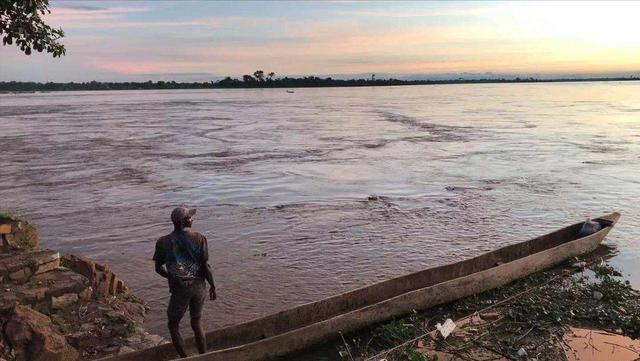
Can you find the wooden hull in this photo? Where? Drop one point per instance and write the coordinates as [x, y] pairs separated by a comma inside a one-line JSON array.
[[303, 326]]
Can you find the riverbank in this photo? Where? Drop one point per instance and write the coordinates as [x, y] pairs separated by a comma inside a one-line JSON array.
[[62, 307], [584, 304]]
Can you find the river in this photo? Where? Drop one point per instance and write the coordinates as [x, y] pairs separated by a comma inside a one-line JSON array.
[[304, 195]]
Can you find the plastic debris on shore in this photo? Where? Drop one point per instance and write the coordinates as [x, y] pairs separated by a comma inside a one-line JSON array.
[[446, 329], [589, 227]]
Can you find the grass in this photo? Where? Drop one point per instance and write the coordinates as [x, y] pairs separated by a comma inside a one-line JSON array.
[[535, 321], [8, 216]]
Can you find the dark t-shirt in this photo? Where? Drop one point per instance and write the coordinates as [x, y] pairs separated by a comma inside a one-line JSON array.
[[184, 254]]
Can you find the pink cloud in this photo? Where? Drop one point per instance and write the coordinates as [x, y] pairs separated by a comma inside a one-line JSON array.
[[135, 24], [65, 14], [114, 18]]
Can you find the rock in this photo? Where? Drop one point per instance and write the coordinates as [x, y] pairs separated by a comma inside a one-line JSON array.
[[103, 309], [40, 289], [63, 300], [86, 294], [8, 298], [121, 287], [155, 339], [134, 309], [33, 337], [87, 327], [79, 265], [103, 281], [33, 295], [8, 242], [597, 295], [60, 282], [5, 228], [122, 330], [33, 279], [125, 349], [132, 340], [115, 315], [49, 266], [39, 261], [20, 276]]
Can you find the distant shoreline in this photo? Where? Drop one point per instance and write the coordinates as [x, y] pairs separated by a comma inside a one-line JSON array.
[[288, 83]]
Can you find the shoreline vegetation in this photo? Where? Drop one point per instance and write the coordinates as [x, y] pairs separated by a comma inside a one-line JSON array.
[[583, 306], [259, 80]]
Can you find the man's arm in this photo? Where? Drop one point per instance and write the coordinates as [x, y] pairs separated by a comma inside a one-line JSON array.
[[206, 269], [208, 275], [161, 270], [158, 258]]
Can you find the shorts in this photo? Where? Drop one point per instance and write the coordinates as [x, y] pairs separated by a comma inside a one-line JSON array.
[[189, 297]]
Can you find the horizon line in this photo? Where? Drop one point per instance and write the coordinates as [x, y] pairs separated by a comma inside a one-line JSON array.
[[497, 77]]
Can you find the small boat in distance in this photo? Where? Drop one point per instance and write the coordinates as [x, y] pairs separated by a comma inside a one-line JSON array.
[[290, 91], [303, 326]]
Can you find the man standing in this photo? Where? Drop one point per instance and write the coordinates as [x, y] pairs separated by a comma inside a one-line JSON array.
[[181, 257]]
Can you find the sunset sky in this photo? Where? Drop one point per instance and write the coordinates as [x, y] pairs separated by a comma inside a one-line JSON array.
[[163, 40]]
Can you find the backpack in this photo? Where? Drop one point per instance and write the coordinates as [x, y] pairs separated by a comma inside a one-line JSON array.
[[183, 274]]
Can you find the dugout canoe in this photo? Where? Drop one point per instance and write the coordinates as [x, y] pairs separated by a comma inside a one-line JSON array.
[[309, 324]]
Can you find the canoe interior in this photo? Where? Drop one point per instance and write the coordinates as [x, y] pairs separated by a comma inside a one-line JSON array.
[[307, 314]]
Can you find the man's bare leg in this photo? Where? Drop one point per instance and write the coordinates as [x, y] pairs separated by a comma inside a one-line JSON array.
[[201, 342], [176, 338]]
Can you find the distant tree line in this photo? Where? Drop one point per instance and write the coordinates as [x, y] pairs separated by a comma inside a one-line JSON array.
[[96, 85], [261, 80]]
